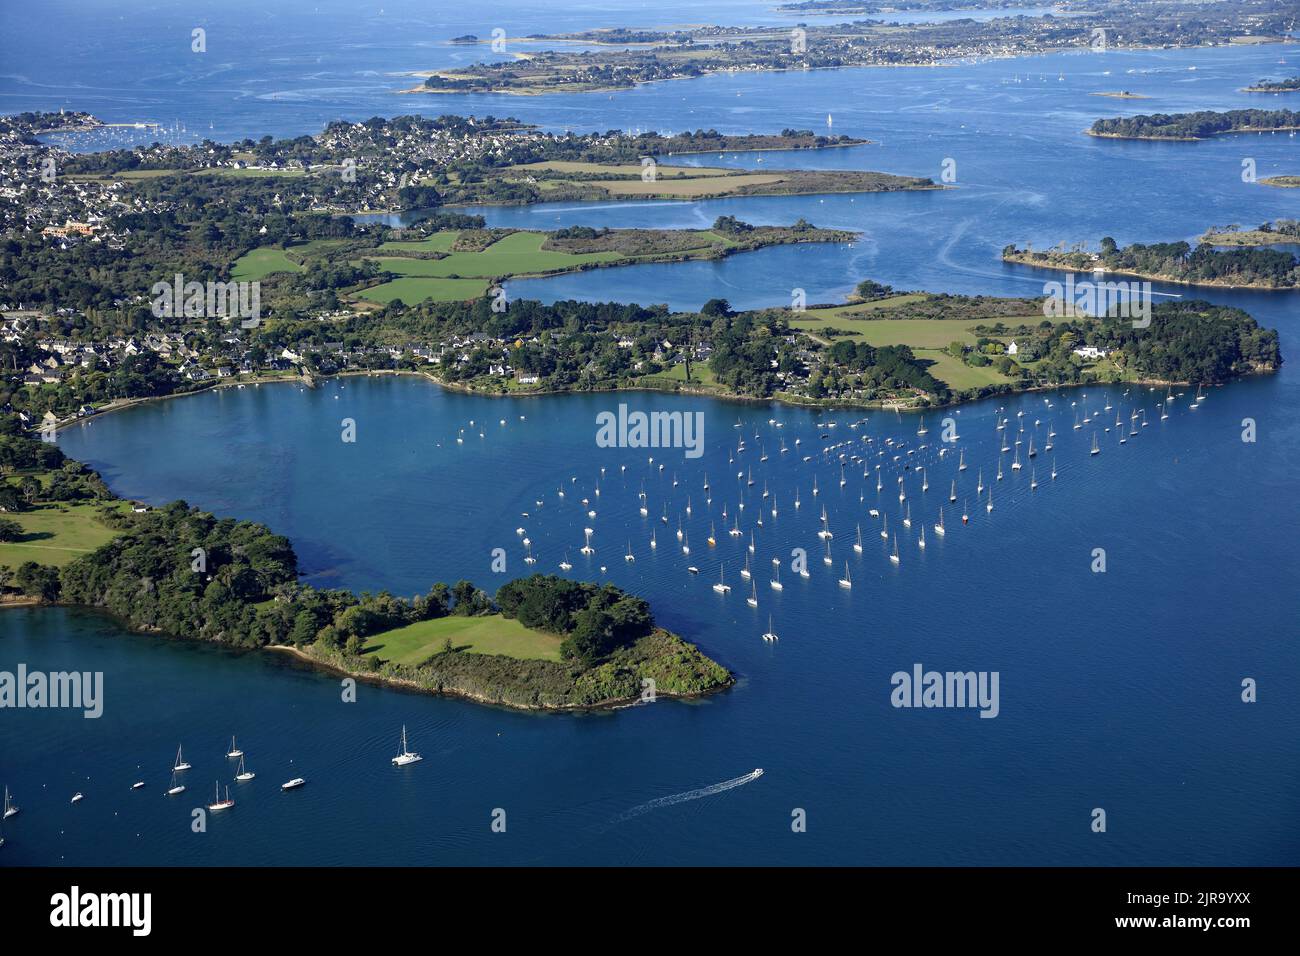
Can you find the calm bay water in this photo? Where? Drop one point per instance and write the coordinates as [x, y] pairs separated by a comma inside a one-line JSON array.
[[1118, 690]]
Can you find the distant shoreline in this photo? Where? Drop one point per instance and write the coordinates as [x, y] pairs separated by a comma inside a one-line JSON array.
[[1022, 260], [1194, 139]]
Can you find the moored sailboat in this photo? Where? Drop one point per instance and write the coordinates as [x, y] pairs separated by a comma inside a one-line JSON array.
[[405, 755], [219, 804]]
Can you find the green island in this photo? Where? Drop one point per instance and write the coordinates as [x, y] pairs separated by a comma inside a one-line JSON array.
[[1174, 262], [542, 642], [414, 162], [460, 264], [1122, 95], [1278, 232], [1281, 182], [623, 58], [571, 181], [1195, 126], [1289, 85]]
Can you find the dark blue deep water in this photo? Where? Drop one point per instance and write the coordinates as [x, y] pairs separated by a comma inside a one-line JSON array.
[[1118, 690]]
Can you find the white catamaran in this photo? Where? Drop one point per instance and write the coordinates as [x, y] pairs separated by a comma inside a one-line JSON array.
[[405, 756]]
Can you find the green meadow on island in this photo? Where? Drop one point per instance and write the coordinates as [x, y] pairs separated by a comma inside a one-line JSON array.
[[541, 642], [459, 264]]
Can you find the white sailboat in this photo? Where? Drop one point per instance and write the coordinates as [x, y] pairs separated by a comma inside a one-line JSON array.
[[219, 804], [894, 557], [241, 774], [846, 582], [921, 543], [722, 587], [1095, 449], [405, 755], [769, 634], [857, 545], [752, 600], [776, 581], [938, 525], [10, 809], [176, 788], [234, 751], [180, 762]]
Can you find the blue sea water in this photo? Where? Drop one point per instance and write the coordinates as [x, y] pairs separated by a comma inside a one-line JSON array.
[[1118, 690]]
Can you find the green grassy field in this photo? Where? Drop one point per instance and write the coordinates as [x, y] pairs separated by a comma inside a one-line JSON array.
[[955, 373], [661, 171], [260, 263], [127, 175], [254, 173], [56, 534], [493, 634], [701, 375], [928, 338], [918, 333], [315, 245], [519, 253], [438, 242], [414, 289]]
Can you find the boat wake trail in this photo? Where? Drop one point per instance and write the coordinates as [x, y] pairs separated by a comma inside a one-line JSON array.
[[676, 798]]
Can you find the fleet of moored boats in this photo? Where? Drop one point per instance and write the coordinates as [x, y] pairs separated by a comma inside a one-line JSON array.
[[221, 795], [1022, 442]]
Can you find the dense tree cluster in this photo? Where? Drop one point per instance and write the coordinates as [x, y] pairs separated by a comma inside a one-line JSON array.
[[594, 620], [1180, 262], [1199, 125]]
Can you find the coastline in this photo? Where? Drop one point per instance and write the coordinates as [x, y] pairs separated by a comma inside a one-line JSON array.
[[1150, 277], [1193, 139], [781, 399], [370, 677], [939, 62], [395, 682]]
